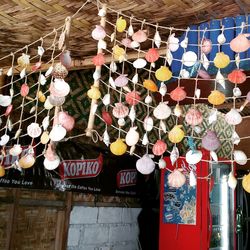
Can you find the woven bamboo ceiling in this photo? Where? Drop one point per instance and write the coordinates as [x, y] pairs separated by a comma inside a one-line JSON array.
[[23, 21]]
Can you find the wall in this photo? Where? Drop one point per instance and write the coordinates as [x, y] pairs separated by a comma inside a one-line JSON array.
[[103, 228]]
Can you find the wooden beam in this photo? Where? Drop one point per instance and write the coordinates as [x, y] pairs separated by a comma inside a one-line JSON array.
[[229, 105], [59, 229]]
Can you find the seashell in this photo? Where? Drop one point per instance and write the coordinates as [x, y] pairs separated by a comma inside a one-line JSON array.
[[152, 55], [135, 78], [169, 57], [193, 117], [36, 66], [162, 164], [148, 99], [237, 76], [220, 79], [97, 74], [150, 85], [8, 110], [9, 124], [159, 147], [16, 150], [184, 43], [193, 157], [113, 67], [120, 110], [121, 24], [130, 30], [112, 82], [102, 13], [163, 89], [118, 147], [23, 73], [221, 60], [119, 53], [132, 137], [189, 58], [240, 43], [48, 105], [148, 123], [206, 46], [33, 109], [27, 161], [17, 134], [197, 129], [132, 114], [246, 183], [173, 43], [240, 157], [174, 155], [59, 88], [66, 120], [24, 60], [5, 100], [50, 153], [232, 181], [145, 140], [139, 63], [4, 139], [59, 71], [121, 122], [197, 93], [140, 36], [157, 39], [65, 59], [51, 165], [176, 134], [216, 97], [214, 156], [34, 130], [235, 138], [44, 137], [134, 44], [210, 141], [11, 92], [106, 99], [106, 117], [163, 74], [192, 179], [205, 61], [213, 116], [98, 33], [121, 81], [49, 71], [57, 133], [99, 59], [145, 165], [126, 42], [133, 97], [10, 71], [221, 38], [203, 74], [236, 92], [94, 93], [178, 94], [106, 138], [176, 179], [178, 111], [233, 117], [162, 111], [41, 96], [102, 44]]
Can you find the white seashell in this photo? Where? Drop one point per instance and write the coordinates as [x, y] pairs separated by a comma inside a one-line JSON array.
[[10, 72], [145, 140], [148, 99], [214, 156], [42, 79], [205, 61], [134, 44], [163, 89], [132, 114], [16, 150], [49, 71], [213, 116], [113, 67], [240, 157], [34, 130], [51, 165], [97, 74], [17, 134], [237, 92], [174, 155], [233, 117], [23, 73], [139, 63], [163, 126], [45, 122], [11, 92], [121, 122], [112, 82], [4, 139], [197, 93], [57, 133], [40, 50], [145, 165], [197, 129], [169, 57], [102, 13], [1, 121], [94, 108], [132, 137], [220, 79], [5, 100], [237, 60], [33, 109], [193, 157], [232, 181], [162, 164], [173, 43], [178, 110], [106, 138], [192, 179], [184, 74], [221, 38], [135, 79], [189, 58], [184, 43], [152, 65], [235, 138], [157, 39], [130, 30], [132, 150], [162, 111], [112, 37], [106, 99], [148, 123], [127, 89], [9, 125], [47, 105]]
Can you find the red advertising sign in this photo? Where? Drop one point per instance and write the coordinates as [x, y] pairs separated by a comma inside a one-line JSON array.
[[126, 177]]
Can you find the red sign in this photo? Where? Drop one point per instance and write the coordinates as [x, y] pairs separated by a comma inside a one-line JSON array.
[[126, 178], [76, 169]]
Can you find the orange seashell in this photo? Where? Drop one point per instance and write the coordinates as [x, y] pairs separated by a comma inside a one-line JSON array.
[[178, 94], [240, 43], [133, 98], [99, 59], [159, 147], [150, 85], [216, 97], [193, 117], [237, 76], [140, 36], [152, 55], [24, 90]]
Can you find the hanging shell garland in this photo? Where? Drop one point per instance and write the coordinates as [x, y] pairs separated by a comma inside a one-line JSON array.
[[163, 74], [145, 165], [139, 63], [178, 111], [246, 183], [118, 147], [120, 110], [162, 111], [126, 42], [176, 134], [210, 141], [59, 88], [140, 36], [54, 101], [133, 97], [159, 147], [178, 94], [240, 43], [152, 55], [99, 59], [34, 130], [162, 164], [150, 85], [193, 117], [98, 33], [94, 93], [221, 60], [121, 24], [57, 133], [237, 76], [176, 179], [132, 137], [233, 117], [216, 97]]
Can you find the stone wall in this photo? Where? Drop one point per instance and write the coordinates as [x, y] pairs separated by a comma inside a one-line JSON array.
[[103, 228]]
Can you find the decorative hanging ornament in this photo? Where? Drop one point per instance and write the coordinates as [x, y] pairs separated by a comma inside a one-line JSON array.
[[106, 138], [121, 24], [126, 42], [221, 60], [192, 179], [176, 134], [132, 137], [120, 110], [59, 88], [206, 46], [193, 117], [59, 71], [133, 97], [232, 181], [174, 155], [16, 150], [65, 59], [98, 33], [148, 123], [152, 55], [163, 74], [145, 165], [210, 141], [240, 43], [94, 93], [173, 43], [107, 117], [57, 133], [237, 76], [233, 117], [178, 94], [54, 101], [189, 58], [99, 59], [140, 36], [163, 89], [159, 147], [240, 157], [176, 179], [150, 85], [24, 60], [121, 81], [44, 137], [34, 130], [130, 30], [220, 79], [193, 157], [162, 164], [157, 39], [66, 120], [132, 114], [139, 63], [221, 39], [119, 53], [178, 111], [4, 139], [216, 97], [5, 100], [118, 147], [27, 161], [24, 90], [162, 111], [8, 110]]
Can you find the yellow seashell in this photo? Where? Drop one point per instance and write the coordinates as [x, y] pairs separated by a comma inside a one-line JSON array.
[[246, 183], [45, 137], [221, 60], [94, 93], [27, 161], [121, 24], [23, 60], [176, 134], [163, 74], [118, 52], [2, 171], [150, 85], [41, 96], [118, 147], [216, 97]]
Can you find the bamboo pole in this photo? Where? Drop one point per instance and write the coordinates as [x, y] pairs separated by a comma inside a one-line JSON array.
[[96, 84]]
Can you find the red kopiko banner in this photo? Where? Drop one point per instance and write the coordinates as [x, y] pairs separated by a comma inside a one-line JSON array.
[[126, 177]]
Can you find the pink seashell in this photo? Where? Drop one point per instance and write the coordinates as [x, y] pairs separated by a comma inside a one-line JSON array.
[[59, 71], [24, 90], [50, 153], [159, 147], [210, 141], [59, 88], [178, 94], [152, 55], [206, 46], [36, 66], [66, 120], [121, 81], [140, 36], [99, 59], [203, 74], [8, 110], [56, 100], [120, 110], [126, 42], [240, 43], [34, 130], [98, 33], [193, 117], [176, 179], [133, 98], [65, 59]]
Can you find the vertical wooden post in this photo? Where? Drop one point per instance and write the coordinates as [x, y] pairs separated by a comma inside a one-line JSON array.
[[2, 79], [59, 229], [96, 84]]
